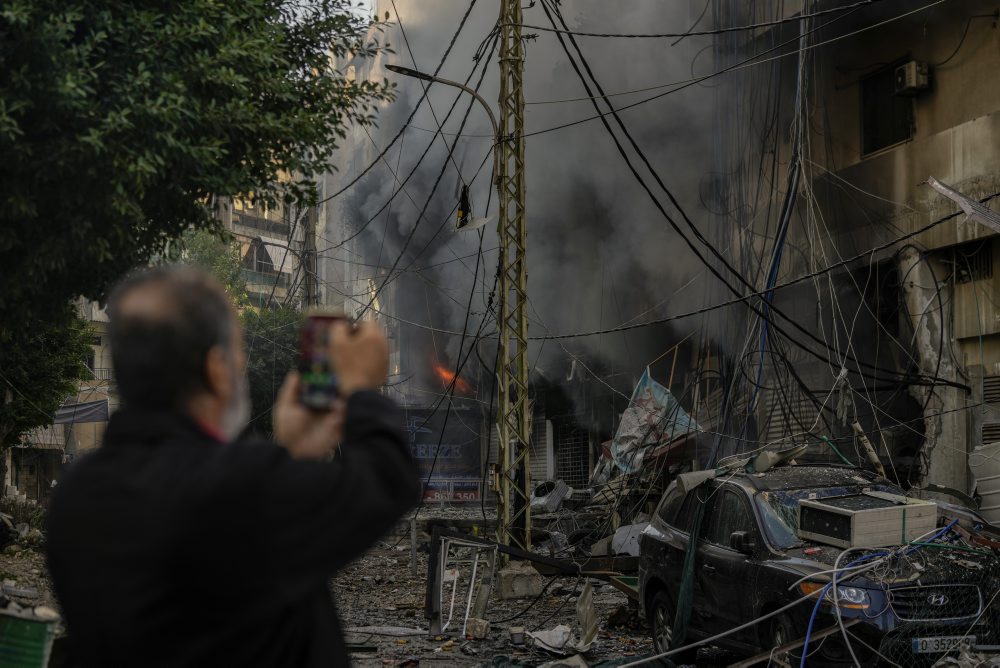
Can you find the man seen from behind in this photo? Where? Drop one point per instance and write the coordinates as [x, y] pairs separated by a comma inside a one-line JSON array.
[[174, 544]]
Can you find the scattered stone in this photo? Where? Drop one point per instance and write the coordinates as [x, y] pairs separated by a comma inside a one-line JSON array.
[[387, 631], [602, 548], [575, 661], [46, 614], [477, 628], [520, 580], [20, 592], [626, 618], [34, 538]]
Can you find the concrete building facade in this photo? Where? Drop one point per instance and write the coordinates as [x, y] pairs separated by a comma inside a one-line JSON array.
[[866, 105]]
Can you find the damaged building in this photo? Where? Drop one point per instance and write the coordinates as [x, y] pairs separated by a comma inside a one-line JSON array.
[[882, 300]]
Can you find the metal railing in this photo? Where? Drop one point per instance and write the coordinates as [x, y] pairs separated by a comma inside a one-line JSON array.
[[265, 278], [279, 228], [99, 373]]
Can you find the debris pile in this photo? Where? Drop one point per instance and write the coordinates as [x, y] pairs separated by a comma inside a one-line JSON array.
[[387, 625], [39, 613]]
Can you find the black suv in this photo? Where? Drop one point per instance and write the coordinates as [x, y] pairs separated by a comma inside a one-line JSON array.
[[750, 560]]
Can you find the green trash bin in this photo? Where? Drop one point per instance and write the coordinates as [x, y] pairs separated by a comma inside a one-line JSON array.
[[25, 643]]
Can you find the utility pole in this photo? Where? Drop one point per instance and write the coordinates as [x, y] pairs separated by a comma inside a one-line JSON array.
[[513, 471], [512, 479], [310, 280]]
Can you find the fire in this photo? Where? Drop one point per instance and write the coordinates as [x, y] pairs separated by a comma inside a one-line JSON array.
[[447, 376]]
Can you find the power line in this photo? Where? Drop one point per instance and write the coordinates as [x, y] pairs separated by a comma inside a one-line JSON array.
[[698, 311], [437, 182], [420, 160], [761, 293], [458, 369], [746, 63], [965, 33], [413, 113], [426, 85], [768, 306], [696, 33]]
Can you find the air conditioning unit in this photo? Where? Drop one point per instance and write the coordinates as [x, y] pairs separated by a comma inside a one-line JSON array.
[[912, 78], [869, 519]]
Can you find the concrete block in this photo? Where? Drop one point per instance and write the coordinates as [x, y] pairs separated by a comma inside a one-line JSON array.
[[477, 628], [601, 548], [519, 580]]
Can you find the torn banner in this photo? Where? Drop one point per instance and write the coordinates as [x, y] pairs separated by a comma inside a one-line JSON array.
[[653, 418], [85, 411]]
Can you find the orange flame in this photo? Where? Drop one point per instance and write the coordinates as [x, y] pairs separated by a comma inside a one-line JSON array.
[[447, 376]]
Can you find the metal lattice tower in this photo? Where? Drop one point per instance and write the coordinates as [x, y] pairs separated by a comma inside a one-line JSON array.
[[513, 511]]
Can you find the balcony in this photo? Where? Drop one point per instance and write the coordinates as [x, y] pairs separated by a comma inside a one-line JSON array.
[[98, 373], [272, 227]]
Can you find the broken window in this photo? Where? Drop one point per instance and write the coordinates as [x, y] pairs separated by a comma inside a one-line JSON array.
[[781, 518], [886, 118], [729, 515]]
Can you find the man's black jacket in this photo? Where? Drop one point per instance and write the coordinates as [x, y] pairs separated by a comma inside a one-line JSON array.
[[168, 548]]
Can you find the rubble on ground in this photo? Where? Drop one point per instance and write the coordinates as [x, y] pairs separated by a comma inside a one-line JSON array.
[[25, 587], [400, 603]]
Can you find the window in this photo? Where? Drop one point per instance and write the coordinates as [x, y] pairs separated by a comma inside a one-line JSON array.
[[671, 502], [730, 514], [689, 509], [886, 118], [258, 259]]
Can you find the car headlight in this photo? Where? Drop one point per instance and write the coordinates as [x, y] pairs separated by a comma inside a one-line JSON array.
[[851, 596], [847, 597]]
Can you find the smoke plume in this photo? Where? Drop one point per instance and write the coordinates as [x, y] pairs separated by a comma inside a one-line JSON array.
[[600, 254]]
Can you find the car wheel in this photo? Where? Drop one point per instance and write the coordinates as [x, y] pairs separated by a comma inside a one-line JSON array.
[[661, 623]]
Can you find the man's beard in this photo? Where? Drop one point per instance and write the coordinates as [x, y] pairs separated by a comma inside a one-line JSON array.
[[237, 413]]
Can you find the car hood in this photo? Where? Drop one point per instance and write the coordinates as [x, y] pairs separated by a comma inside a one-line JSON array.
[[924, 565]]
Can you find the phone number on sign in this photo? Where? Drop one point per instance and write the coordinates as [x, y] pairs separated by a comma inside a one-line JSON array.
[[446, 495]]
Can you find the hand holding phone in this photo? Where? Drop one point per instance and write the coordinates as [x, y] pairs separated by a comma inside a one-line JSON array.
[[304, 432], [339, 357], [319, 385]]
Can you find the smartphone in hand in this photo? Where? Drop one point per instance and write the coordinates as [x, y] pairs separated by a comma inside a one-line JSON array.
[[319, 382]]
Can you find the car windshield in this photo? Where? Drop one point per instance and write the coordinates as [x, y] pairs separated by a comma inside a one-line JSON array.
[[780, 510]]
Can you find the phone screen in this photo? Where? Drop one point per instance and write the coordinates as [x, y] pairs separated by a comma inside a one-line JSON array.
[[320, 386]]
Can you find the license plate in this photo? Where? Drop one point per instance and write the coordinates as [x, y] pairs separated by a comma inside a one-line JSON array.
[[940, 644]]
